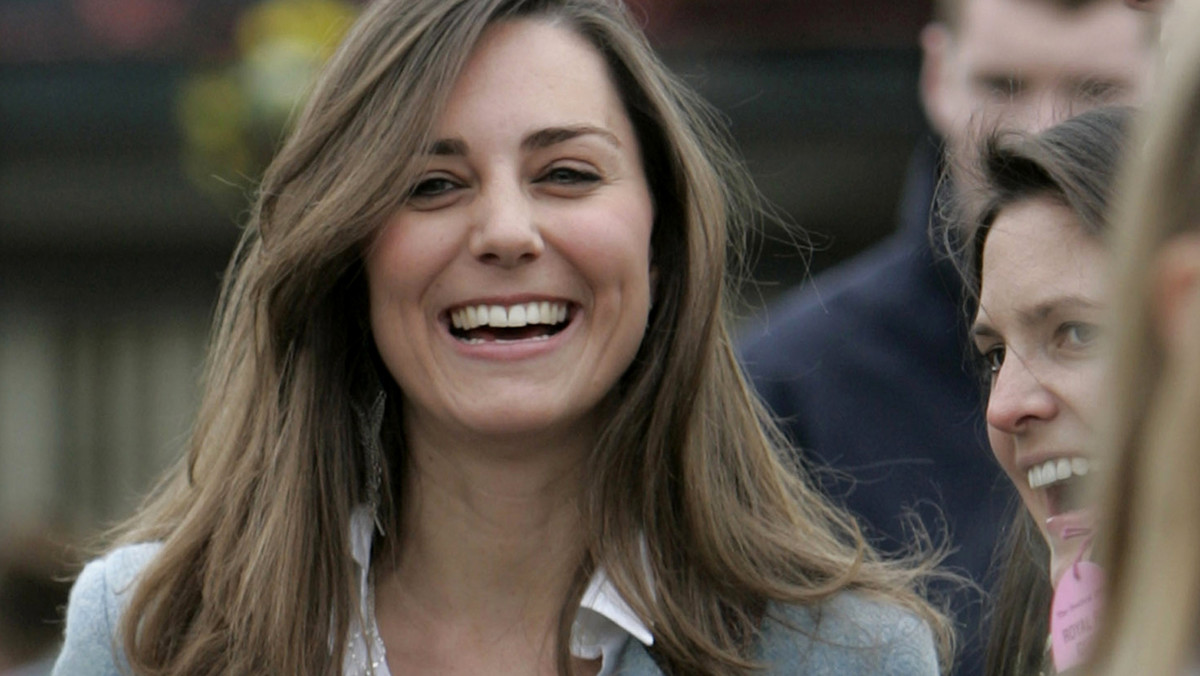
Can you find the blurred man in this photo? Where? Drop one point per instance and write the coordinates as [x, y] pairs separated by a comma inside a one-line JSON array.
[[867, 366]]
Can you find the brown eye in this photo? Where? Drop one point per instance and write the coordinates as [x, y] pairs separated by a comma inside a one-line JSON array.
[[568, 176], [1079, 334], [990, 361], [432, 187]]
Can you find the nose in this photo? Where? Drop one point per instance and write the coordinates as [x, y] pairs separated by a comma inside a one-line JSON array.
[[1019, 397], [506, 232]]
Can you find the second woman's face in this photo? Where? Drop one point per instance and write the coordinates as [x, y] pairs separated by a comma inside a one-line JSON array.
[[1042, 301], [511, 291]]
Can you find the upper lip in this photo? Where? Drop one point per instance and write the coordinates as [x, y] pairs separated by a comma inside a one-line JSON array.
[[506, 301], [1035, 459]]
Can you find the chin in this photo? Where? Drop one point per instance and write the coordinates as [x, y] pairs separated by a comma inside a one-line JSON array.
[[504, 424]]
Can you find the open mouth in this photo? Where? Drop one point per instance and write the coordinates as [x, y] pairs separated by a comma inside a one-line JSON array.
[[476, 324], [1062, 481]]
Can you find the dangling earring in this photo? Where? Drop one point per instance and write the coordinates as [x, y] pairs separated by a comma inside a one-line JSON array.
[[370, 424]]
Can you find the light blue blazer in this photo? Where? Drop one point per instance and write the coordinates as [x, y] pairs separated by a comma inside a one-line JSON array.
[[848, 635]]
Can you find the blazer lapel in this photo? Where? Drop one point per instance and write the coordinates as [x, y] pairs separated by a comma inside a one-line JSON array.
[[634, 660]]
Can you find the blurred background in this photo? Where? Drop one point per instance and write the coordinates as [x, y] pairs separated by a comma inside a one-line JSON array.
[[132, 132]]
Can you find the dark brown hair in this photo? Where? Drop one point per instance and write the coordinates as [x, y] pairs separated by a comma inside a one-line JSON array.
[[949, 12], [1073, 162]]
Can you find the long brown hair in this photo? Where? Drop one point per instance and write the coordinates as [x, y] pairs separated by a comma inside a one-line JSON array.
[[255, 572], [1075, 163], [1151, 531]]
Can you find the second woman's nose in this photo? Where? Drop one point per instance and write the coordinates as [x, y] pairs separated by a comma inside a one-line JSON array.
[[1019, 397], [505, 231]]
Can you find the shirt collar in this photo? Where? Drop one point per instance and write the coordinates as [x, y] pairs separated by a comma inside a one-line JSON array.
[[602, 598], [604, 618]]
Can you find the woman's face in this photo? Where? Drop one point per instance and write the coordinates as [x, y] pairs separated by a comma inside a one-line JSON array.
[[511, 291], [1041, 305]]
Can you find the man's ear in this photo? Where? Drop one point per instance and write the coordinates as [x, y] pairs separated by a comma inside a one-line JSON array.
[[1176, 290], [936, 92]]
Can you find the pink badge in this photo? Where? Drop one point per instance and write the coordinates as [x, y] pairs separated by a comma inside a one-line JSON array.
[[1075, 614]]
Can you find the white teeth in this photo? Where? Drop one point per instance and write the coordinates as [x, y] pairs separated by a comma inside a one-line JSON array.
[[1054, 471], [499, 316], [516, 315]]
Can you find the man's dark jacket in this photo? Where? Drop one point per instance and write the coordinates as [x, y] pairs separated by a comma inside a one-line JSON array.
[[867, 368]]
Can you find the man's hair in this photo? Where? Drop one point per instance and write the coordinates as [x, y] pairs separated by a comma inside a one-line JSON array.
[[949, 12]]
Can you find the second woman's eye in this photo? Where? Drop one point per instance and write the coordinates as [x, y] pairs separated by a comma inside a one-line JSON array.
[[990, 361], [1079, 334]]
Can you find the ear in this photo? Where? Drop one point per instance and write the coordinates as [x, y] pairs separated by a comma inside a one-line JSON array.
[[1176, 273], [936, 92]]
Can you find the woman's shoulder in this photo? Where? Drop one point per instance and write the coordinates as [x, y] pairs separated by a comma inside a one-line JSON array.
[[90, 645], [849, 633]]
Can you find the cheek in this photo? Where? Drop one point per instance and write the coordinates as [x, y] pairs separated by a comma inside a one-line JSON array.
[[1005, 454], [399, 269], [382, 316], [613, 247], [404, 260], [1088, 395], [382, 286], [1092, 398], [1002, 449]]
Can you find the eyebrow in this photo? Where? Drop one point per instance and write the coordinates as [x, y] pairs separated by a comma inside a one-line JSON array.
[[543, 138], [1110, 85], [1037, 313], [448, 146], [983, 330]]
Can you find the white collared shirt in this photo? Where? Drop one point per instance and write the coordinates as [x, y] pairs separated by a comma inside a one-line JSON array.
[[603, 623]]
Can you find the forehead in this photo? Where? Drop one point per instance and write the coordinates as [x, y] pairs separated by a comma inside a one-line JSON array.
[[534, 73], [1100, 40], [1035, 249]]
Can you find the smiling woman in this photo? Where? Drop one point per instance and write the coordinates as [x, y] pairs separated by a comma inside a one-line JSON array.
[[471, 404], [1034, 259], [533, 194]]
